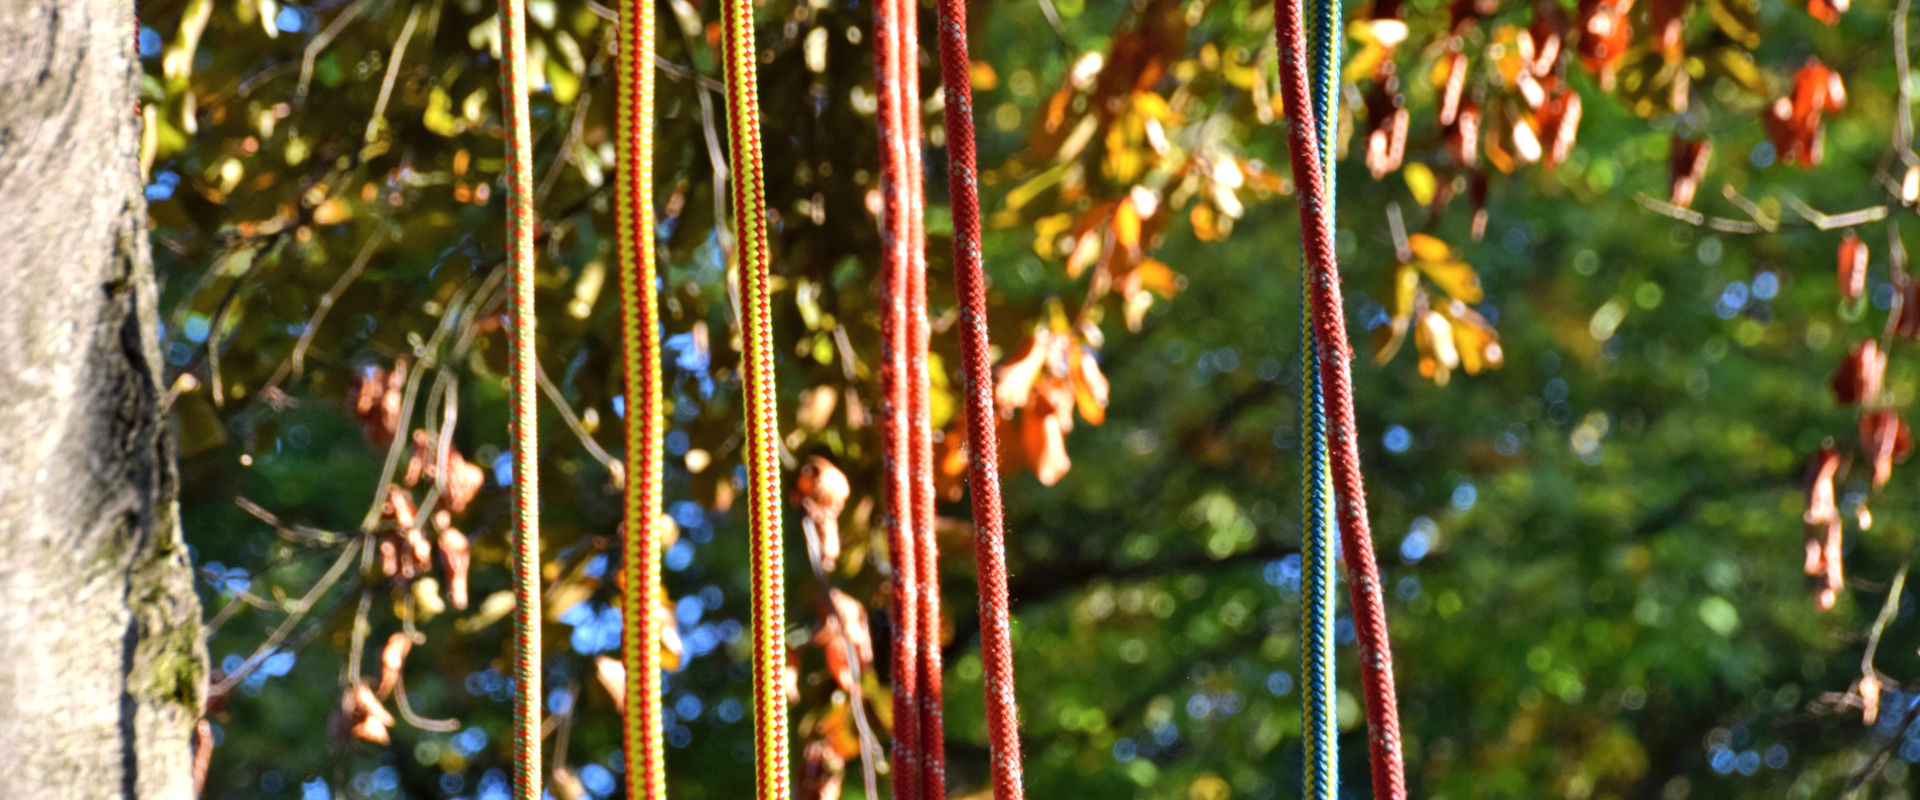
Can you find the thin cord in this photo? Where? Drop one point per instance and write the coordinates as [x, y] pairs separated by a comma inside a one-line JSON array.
[[983, 470], [763, 464], [639, 304], [526, 466]]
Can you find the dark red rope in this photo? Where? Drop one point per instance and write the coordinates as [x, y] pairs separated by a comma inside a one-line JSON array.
[[1335, 359], [896, 404], [932, 750], [983, 447]]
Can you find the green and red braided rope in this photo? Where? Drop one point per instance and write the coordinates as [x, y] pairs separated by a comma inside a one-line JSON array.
[[525, 434]]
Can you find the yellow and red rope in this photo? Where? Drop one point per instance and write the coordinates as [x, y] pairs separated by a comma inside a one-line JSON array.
[[639, 304], [767, 625]]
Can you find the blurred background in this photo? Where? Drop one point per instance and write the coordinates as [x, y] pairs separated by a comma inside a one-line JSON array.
[[1605, 312]]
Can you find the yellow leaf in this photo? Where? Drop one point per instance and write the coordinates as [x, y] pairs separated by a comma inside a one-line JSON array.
[[1126, 226], [1046, 233], [1089, 387], [1420, 181], [1429, 248], [1156, 277], [1406, 282], [1433, 337], [1455, 278]]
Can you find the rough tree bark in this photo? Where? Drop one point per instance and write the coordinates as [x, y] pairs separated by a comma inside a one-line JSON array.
[[102, 667]]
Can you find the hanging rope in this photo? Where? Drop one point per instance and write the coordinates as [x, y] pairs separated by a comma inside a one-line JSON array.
[[932, 751], [1319, 702], [1329, 390], [1356, 536], [639, 304], [763, 464], [526, 472], [897, 418], [983, 470]]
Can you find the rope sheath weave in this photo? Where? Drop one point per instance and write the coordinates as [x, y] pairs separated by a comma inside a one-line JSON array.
[[1319, 703], [896, 401], [983, 467], [1328, 388], [1336, 376], [932, 750], [639, 304], [526, 473], [762, 452]]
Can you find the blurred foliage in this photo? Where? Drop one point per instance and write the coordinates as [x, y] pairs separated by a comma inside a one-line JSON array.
[[1596, 535]]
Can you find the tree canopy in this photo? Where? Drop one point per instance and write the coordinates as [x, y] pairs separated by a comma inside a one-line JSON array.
[[1624, 272]]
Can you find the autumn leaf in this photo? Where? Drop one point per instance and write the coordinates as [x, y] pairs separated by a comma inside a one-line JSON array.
[[1089, 386], [822, 772], [1853, 266], [1437, 261], [1860, 374], [392, 657], [1887, 440], [1686, 167], [1015, 377], [613, 677], [1433, 339], [1402, 290], [821, 491]]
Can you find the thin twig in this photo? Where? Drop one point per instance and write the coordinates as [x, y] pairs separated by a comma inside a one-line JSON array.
[[327, 300], [1761, 218], [1828, 222], [321, 41], [407, 713], [393, 72], [599, 453], [1887, 611], [298, 610]]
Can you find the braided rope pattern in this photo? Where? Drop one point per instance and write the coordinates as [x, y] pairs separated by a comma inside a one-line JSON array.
[[896, 401], [932, 751], [763, 464], [1320, 701], [639, 304], [526, 467], [983, 447], [1335, 375]]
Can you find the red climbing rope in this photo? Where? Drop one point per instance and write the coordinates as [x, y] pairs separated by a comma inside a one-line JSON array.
[[896, 402], [932, 750], [1335, 357], [983, 447]]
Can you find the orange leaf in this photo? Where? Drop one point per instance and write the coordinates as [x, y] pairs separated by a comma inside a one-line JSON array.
[[1853, 266], [1014, 380], [1089, 386], [392, 657]]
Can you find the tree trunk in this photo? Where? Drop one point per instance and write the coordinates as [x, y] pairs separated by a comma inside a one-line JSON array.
[[102, 667]]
